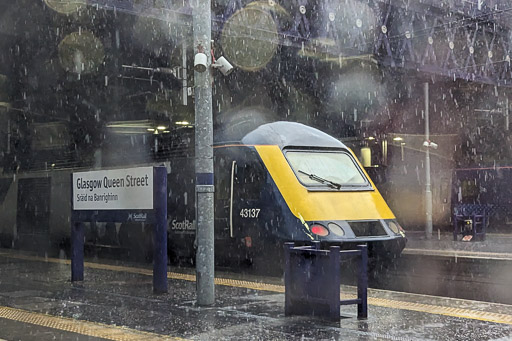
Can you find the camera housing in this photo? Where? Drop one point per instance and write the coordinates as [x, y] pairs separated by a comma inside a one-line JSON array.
[[430, 144], [200, 62], [223, 66]]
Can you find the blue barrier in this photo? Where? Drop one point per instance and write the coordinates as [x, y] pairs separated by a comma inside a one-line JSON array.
[[312, 280]]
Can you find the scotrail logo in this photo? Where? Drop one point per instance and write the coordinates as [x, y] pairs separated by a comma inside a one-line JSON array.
[[184, 225], [137, 216]]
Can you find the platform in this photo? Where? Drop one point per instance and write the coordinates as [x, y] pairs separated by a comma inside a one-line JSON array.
[[495, 246], [115, 302]]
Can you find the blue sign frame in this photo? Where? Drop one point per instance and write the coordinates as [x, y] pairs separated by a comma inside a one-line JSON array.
[[157, 216]]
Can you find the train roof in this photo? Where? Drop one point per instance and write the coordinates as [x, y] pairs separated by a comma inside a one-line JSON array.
[[290, 134]]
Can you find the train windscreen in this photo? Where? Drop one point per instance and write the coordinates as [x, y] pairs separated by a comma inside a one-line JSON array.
[[326, 168]]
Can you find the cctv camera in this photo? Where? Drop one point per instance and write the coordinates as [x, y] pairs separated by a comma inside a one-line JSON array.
[[223, 65], [200, 62], [430, 144]]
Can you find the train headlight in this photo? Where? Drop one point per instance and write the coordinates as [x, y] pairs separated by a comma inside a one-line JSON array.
[[319, 230], [336, 229], [393, 226]]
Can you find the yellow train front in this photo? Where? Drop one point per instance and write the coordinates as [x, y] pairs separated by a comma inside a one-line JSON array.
[[289, 182]]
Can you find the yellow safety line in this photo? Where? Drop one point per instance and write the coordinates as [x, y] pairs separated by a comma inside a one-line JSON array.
[[440, 310], [94, 329], [420, 307], [459, 254]]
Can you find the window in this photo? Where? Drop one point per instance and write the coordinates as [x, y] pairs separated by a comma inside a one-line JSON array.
[[335, 169]]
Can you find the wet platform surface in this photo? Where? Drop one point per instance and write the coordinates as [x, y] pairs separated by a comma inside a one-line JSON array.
[[115, 302], [495, 246], [475, 270]]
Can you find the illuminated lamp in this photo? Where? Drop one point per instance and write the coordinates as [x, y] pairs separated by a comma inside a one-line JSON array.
[[319, 230]]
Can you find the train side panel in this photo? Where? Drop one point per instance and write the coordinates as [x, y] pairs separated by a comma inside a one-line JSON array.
[[258, 224], [181, 200]]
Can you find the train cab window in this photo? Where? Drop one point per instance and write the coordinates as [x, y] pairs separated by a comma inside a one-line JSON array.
[[327, 169]]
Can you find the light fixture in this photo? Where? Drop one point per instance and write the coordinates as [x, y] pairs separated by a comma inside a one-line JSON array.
[[371, 138], [183, 123], [66, 7], [135, 127], [200, 62], [398, 138]]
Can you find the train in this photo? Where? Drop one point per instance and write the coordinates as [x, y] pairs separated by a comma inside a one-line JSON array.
[[280, 182], [285, 181]]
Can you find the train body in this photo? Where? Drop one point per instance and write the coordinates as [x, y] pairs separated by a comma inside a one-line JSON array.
[[281, 182], [287, 182]]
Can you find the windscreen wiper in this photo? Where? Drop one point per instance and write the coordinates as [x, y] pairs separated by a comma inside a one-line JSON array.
[[321, 180]]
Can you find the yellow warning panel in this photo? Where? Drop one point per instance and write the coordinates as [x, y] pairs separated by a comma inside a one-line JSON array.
[[442, 310], [80, 327]]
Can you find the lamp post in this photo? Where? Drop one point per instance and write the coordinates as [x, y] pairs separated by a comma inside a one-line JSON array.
[[427, 144], [204, 155]]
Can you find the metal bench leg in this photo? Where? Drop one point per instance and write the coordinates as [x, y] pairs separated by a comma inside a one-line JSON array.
[[362, 284]]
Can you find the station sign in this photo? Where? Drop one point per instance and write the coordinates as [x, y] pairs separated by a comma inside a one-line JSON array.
[[116, 189]]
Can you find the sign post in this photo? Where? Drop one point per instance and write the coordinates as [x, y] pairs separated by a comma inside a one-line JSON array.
[[77, 251], [121, 195], [160, 231]]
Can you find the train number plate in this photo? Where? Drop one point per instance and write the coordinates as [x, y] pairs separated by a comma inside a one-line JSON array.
[[249, 212]]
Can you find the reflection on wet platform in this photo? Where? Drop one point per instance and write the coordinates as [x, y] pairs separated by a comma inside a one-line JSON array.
[[36, 292]]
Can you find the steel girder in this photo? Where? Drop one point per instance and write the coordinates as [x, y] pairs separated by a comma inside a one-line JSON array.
[[444, 37], [446, 44], [428, 38]]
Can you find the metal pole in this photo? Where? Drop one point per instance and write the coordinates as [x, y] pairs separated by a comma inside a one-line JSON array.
[[334, 287], [77, 251], [204, 157], [160, 230], [428, 191], [507, 112], [288, 298], [362, 283], [184, 84]]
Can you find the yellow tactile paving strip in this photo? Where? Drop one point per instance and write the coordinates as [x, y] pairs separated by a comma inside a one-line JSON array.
[[459, 254], [93, 329], [440, 310], [387, 303]]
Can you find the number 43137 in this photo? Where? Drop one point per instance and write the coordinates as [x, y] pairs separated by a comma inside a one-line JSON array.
[[249, 212]]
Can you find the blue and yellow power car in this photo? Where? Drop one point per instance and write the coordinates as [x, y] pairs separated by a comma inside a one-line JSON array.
[[283, 182]]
